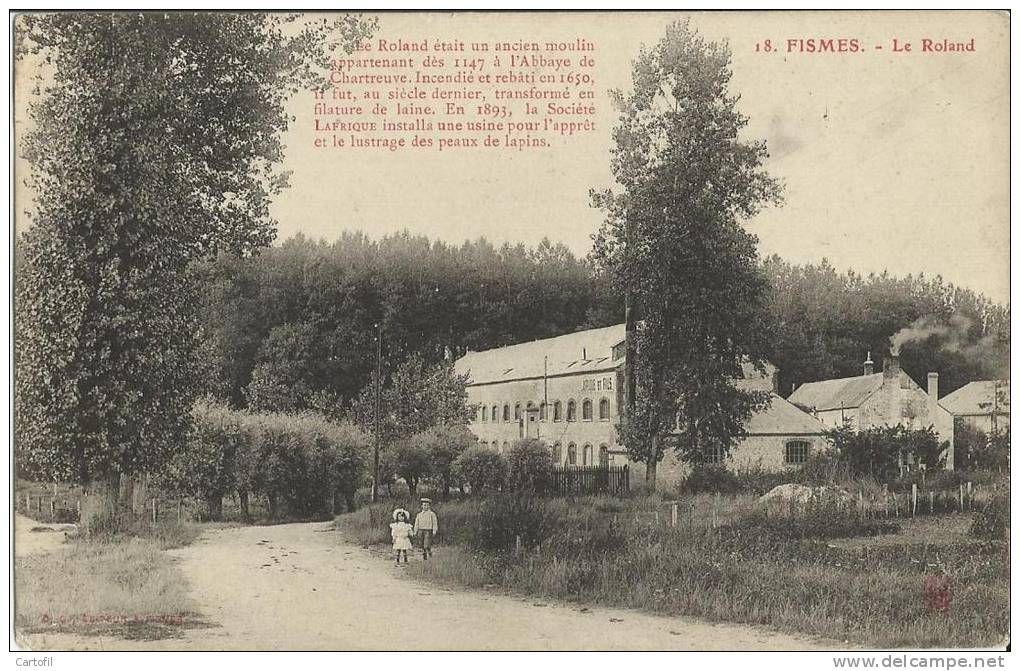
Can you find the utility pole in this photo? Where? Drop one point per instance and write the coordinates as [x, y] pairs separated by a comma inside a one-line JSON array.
[[378, 409]]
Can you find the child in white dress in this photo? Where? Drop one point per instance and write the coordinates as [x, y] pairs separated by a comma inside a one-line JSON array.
[[401, 532]]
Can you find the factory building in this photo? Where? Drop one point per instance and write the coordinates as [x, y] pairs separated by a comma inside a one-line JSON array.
[[567, 391]]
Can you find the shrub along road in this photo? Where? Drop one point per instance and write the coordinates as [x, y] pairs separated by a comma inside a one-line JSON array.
[[302, 586]]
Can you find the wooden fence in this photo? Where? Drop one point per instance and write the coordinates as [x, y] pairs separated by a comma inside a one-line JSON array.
[[587, 480]]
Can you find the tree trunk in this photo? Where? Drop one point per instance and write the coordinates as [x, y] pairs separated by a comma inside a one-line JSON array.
[[214, 503], [242, 496], [272, 506], [412, 487], [652, 464], [126, 497], [446, 489], [100, 509], [349, 500]]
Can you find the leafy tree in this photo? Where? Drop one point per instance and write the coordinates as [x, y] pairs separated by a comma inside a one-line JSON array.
[[417, 397], [287, 360], [973, 449], [673, 241], [878, 451], [483, 469], [155, 142], [412, 461], [444, 444], [205, 464], [529, 466]]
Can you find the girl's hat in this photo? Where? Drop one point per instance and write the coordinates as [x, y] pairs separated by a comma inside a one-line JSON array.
[[396, 512]]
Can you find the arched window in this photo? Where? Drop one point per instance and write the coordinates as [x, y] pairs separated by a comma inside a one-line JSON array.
[[495, 413], [604, 409], [517, 411], [586, 456], [506, 447], [557, 411], [603, 455], [797, 451], [541, 411], [485, 413], [586, 410], [572, 454], [571, 411], [506, 412], [557, 455]]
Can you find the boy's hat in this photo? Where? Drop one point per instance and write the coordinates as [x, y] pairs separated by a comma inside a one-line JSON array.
[[426, 500], [396, 512]]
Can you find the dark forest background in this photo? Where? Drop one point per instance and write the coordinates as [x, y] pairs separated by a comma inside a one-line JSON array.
[[298, 321]]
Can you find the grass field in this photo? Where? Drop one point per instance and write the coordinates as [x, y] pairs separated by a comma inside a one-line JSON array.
[[723, 563], [123, 585]]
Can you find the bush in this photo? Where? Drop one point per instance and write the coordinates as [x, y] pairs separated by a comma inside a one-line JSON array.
[[482, 469], [975, 449], [443, 445], [992, 521], [876, 452], [303, 464], [504, 518], [529, 467], [710, 479], [824, 468]]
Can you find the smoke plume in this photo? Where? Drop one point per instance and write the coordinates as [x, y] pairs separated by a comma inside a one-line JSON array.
[[956, 336]]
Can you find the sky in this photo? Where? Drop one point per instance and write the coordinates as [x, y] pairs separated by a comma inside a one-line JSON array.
[[890, 161]]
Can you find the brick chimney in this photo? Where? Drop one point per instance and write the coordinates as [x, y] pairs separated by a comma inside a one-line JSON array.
[[933, 389], [869, 365]]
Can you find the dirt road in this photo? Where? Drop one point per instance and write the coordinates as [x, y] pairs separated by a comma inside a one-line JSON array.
[[302, 587]]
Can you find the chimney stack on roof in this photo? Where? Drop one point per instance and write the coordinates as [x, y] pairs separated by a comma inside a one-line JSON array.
[[933, 389], [891, 366], [869, 365]]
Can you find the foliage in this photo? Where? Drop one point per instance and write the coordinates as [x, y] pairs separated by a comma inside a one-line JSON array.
[[529, 467], [992, 520], [504, 518], [483, 469], [204, 466], [878, 451], [709, 478], [817, 520], [412, 462], [444, 445], [827, 321], [673, 241], [418, 396], [430, 296], [975, 449], [155, 143], [303, 464], [867, 592]]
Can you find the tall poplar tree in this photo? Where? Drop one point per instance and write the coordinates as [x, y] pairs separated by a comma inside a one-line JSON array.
[[154, 141], [673, 241]]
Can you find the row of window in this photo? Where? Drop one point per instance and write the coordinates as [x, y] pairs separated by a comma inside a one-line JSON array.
[[796, 453], [587, 453], [587, 408]]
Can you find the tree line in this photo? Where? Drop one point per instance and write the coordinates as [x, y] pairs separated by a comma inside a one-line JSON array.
[[295, 326]]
